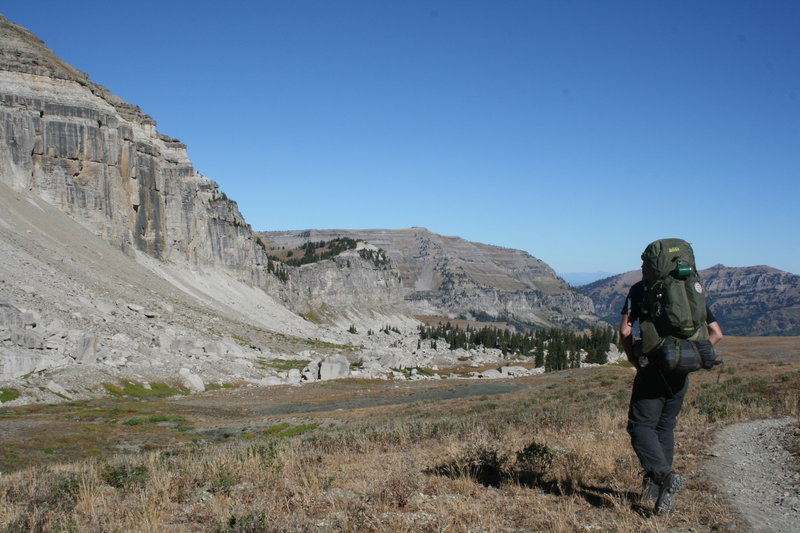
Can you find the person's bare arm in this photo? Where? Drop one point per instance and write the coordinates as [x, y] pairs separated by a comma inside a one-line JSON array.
[[714, 332], [626, 338]]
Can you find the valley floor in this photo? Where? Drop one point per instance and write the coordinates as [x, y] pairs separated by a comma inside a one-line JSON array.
[[537, 453]]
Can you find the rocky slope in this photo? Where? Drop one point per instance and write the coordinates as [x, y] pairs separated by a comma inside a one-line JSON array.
[[757, 300], [452, 277], [77, 313]]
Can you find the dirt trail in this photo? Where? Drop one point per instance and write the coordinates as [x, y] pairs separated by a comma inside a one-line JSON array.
[[758, 474]]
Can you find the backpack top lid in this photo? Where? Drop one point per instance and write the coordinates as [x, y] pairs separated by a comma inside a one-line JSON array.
[[663, 257]]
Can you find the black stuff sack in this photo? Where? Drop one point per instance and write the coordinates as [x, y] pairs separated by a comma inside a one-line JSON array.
[[682, 356]]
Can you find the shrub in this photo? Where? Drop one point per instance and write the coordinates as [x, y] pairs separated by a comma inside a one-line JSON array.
[[534, 462], [482, 462], [255, 522], [125, 475], [223, 483], [741, 397]]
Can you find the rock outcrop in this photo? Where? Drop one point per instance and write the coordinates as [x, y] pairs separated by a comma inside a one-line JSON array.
[[452, 277], [346, 288]]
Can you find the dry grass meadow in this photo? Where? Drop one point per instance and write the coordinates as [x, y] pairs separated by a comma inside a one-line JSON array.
[[542, 453]]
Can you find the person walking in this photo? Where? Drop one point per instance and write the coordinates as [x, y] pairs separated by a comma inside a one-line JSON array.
[[656, 400]]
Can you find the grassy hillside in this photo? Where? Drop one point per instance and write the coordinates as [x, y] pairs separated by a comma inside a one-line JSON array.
[[542, 453]]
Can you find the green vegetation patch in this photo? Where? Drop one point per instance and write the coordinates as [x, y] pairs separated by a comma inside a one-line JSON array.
[[153, 419], [138, 390], [8, 394], [221, 386], [283, 364], [554, 349], [223, 483], [124, 476], [313, 252]]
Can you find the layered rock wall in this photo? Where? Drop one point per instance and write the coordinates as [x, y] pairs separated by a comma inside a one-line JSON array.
[[452, 277], [100, 159], [756, 300]]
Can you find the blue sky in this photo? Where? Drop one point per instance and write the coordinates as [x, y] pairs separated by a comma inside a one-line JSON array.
[[578, 131]]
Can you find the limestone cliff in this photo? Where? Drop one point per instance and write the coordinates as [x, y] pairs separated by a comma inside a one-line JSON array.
[[452, 277], [101, 160]]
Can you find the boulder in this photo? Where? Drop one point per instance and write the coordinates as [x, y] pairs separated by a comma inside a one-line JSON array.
[[105, 307], [86, 350], [193, 382], [311, 371], [334, 367], [135, 308], [27, 338], [512, 371], [183, 345], [613, 354], [58, 390], [15, 363]]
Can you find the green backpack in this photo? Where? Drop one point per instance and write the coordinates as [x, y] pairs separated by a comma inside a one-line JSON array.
[[674, 307]]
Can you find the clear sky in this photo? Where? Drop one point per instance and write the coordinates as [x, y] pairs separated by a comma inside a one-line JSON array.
[[578, 131]]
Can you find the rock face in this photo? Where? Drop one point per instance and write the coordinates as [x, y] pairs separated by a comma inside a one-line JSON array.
[[452, 277], [344, 287], [101, 160], [757, 300]]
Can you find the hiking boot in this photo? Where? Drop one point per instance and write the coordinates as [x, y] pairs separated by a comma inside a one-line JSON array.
[[666, 494], [650, 490]]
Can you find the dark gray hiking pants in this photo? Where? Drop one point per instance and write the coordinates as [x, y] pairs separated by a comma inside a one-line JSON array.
[[656, 400]]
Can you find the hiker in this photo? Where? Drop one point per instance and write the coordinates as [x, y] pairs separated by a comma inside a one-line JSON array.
[[657, 394]]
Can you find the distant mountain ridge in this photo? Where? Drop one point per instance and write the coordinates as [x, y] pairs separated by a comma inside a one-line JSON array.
[[453, 277], [749, 301], [576, 279]]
